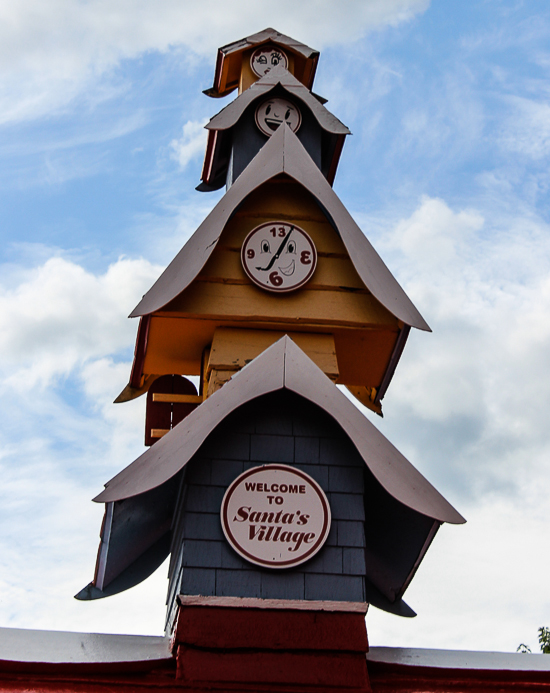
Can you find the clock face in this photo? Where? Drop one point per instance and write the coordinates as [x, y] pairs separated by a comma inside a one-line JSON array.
[[263, 59], [279, 256], [271, 113]]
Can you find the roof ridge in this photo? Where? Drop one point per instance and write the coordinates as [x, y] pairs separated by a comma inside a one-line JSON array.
[[283, 365]]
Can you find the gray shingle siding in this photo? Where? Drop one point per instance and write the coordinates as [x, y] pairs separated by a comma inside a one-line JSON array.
[[277, 428]]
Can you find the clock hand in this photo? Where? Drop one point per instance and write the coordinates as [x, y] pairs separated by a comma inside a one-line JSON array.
[[278, 253]]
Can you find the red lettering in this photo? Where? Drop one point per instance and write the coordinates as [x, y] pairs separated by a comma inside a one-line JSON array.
[[309, 537], [298, 537], [252, 531], [302, 489], [275, 278], [287, 519], [249, 486], [293, 489], [242, 514], [260, 488]]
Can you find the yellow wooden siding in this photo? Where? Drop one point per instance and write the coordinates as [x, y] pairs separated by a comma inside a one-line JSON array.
[[247, 303], [334, 302], [233, 348]]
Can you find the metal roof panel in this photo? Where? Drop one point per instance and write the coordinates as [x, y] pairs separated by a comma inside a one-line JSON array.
[[283, 364], [48, 646], [229, 115], [459, 659]]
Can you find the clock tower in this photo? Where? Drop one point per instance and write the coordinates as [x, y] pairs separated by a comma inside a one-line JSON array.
[[284, 511]]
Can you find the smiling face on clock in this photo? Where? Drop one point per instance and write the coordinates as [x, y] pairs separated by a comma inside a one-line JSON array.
[[272, 112], [263, 59], [279, 256]]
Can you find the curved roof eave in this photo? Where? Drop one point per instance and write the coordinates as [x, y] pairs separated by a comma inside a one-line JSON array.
[[282, 153], [273, 35], [229, 115], [283, 365], [228, 53]]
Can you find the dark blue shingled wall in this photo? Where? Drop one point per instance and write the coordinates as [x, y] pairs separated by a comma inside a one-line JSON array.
[[276, 428], [283, 427]]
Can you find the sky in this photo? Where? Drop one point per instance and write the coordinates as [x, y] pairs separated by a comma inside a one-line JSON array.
[[447, 173]]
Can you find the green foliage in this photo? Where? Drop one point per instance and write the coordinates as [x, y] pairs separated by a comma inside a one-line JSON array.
[[544, 642]]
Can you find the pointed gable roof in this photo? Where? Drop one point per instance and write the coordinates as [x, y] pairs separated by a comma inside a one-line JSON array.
[[283, 365], [229, 58], [282, 154], [136, 534], [228, 116]]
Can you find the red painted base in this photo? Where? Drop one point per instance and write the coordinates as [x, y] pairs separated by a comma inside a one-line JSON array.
[[393, 678], [250, 644], [227, 645]]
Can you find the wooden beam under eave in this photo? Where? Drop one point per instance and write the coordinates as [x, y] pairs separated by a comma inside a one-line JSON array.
[[248, 304], [234, 348], [176, 345]]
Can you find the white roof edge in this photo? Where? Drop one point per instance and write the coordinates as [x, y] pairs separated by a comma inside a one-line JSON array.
[[459, 659], [64, 647]]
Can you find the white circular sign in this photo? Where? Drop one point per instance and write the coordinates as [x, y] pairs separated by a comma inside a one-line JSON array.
[[279, 256], [263, 59], [272, 112], [275, 516]]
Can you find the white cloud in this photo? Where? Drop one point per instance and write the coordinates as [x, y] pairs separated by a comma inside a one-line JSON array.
[[434, 235], [469, 407], [62, 329], [480, 585], [50, 53], [191, 144], [61, 316], [470, 400]]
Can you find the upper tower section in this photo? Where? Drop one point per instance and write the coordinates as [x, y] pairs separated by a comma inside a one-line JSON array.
[[274, 75], [241, 63]]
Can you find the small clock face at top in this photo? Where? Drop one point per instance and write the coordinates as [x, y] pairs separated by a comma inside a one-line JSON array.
[[263, 59], [279, 256], [271, 113]]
